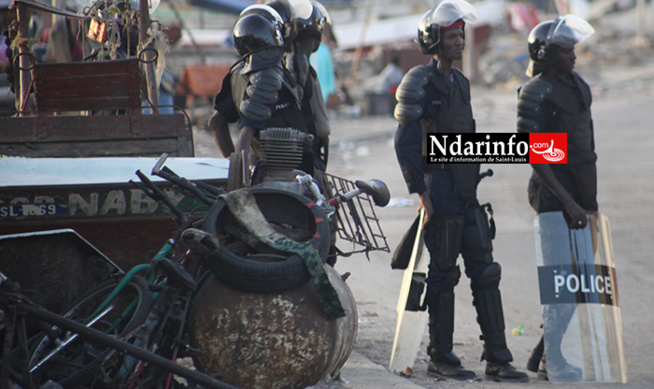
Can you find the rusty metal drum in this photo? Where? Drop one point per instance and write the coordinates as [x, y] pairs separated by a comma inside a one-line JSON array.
[[271, 340]]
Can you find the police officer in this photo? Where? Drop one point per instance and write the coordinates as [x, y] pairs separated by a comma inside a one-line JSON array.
[[305, 21], [261, 93], [557, 99], [258, 39], [435, 98]]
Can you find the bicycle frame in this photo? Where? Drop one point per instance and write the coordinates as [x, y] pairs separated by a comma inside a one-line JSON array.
[[21, 310], [160, 272]]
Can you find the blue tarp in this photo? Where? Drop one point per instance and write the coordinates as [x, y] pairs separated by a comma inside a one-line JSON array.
[[227, 6]]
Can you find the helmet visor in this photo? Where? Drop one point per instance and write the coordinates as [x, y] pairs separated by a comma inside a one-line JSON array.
[[569, 30], [302, 8], [266, 11], [449, 11]]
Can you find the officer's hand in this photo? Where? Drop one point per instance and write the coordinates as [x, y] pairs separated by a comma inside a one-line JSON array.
[[425, 203], [577, 215]]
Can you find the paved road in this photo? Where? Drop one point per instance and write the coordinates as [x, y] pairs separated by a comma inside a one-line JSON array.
[[362, 149]]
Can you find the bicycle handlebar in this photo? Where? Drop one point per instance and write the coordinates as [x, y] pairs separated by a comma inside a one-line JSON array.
[[193, 188], [157, 194]]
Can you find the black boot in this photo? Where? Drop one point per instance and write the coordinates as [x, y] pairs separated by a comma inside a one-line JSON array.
[[444, 363], [446, 370], [490, 316], [536, 355], [505, 372]]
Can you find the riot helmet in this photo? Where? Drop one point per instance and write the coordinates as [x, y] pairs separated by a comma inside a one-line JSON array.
[[285, 11], [564, 32], [254, 32], [310, 19], [547, 38], [449, 13]]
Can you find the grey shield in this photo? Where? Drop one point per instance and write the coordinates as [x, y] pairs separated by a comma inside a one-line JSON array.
[[579, 297]]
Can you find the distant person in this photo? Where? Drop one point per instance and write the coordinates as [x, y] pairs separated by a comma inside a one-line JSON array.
[[323, 63], [435, 98], [391, 76], [557, 99]]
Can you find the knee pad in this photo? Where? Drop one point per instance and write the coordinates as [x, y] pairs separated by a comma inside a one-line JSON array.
[[452, 278], [489, 278], [444, 289]]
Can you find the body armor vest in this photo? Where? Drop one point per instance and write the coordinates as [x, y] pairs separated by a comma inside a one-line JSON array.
[[451, 112], [280, 108], [570, 101]]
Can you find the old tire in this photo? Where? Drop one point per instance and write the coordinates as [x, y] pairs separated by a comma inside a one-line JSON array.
[[262, 269]]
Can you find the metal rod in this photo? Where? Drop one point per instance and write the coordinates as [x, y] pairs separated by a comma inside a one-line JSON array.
[[69, 340]]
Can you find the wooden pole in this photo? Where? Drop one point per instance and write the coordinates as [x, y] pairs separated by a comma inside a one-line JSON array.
[[149, 56], [469, 64], [641, 24], [362, 36], [24, 62]]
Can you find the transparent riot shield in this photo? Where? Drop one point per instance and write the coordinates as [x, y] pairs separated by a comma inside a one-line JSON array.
[[579, 296]]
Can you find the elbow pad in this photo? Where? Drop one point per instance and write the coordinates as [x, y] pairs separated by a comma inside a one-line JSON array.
[[262, 92]]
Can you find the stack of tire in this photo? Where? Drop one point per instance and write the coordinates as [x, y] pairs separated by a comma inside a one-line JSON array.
[[256, 319], [259, 268]]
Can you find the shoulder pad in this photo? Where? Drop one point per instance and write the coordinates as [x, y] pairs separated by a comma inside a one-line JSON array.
[[410, 94], [530, 98], [411, 89], [535, 90]]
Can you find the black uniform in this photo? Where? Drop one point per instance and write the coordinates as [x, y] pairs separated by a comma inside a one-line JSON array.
[[552, 104], [432, 102]]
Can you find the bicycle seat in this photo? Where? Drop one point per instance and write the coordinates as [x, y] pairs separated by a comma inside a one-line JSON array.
[[377, 189], [176, 271]]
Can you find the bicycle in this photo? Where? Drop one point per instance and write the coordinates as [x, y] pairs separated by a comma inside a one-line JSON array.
[[130, 330]]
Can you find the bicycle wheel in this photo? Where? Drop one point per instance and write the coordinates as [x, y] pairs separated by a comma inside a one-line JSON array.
[[77, 361]]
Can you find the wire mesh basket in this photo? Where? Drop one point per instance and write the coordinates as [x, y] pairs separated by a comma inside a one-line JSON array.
[[356, 219]]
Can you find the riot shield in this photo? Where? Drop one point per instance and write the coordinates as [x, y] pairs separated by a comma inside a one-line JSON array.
[[411, 321], [579, 297]]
